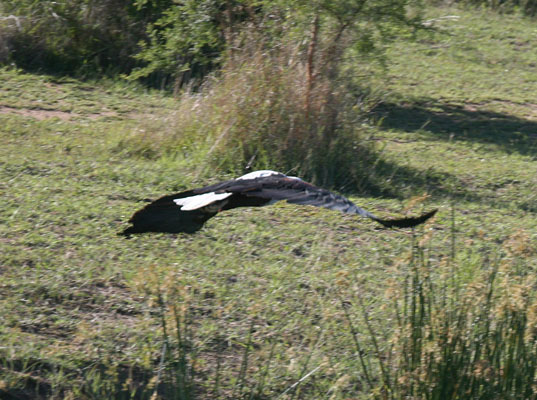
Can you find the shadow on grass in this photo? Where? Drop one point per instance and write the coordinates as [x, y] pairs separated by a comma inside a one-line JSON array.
[[385, 178], [456, 122], [35, 379]]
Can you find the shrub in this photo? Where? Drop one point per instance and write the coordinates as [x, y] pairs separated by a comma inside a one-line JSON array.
[[261, 112], [525, 7], [194, 37], [83, 36]]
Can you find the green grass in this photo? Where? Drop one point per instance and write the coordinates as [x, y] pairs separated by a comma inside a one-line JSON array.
[[260, 303]]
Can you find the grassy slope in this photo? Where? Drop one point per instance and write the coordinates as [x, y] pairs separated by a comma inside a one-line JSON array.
[[79, 306]]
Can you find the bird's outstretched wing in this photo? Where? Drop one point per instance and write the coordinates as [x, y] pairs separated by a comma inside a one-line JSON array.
[[296, 191]]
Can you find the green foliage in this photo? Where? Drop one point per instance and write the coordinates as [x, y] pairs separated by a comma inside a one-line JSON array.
[[182, 40], [195, 36], [87, 37], [525, 7], [189, 37]]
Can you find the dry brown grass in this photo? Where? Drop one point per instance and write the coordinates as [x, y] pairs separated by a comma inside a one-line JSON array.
[[265, 110]]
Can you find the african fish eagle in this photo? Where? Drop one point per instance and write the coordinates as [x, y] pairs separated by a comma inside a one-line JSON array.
[[188, 211]]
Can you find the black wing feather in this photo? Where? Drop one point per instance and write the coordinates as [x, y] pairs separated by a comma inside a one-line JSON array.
[[296, 191]]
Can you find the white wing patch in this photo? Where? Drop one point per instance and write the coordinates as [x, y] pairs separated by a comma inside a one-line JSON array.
[[259, 174], [200, 200]]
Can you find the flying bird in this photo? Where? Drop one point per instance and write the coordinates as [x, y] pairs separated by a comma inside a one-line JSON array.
[[188, 211]]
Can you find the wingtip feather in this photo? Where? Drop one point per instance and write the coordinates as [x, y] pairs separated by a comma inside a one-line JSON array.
[[406, 222]]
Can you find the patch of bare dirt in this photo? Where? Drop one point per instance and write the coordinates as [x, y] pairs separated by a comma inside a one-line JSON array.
[[43, 114]]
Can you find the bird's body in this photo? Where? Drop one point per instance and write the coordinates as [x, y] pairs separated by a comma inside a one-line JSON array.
[[188, 211]]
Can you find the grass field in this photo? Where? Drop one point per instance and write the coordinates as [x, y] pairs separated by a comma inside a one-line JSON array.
[[282, 302]]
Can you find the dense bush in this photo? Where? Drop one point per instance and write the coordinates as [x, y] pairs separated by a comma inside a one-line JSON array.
[[525, 7], [86, 37], [194, 36], [163, 39]]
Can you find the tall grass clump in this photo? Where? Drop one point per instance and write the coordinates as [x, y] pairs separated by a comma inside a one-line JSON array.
[[465, 327], [264, 110]]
